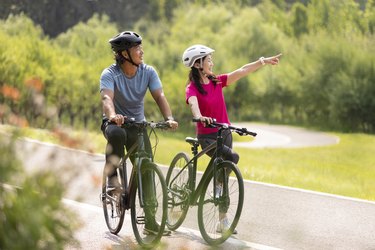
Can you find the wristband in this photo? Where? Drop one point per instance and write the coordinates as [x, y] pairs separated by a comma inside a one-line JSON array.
[[169, 118], [261, 59]]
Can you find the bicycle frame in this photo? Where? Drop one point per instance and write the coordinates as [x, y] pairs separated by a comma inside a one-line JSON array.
[[141, 155], [212, 166], [219, 194]]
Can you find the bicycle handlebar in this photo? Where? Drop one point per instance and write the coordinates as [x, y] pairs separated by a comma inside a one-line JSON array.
[[131, 122], [238, 130]]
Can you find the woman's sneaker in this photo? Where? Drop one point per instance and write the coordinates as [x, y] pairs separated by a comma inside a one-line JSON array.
[[218, 191], [223, 226]]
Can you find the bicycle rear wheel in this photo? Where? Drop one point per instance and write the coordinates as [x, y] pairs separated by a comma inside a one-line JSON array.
[[148, 221], [112, 203], [178, 190], [228, 202]]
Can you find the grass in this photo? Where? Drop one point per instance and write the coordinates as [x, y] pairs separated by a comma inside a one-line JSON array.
[[347, 168]]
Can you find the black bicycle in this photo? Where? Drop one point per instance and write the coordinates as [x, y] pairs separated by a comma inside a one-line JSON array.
[[220, 190], [145, 198]]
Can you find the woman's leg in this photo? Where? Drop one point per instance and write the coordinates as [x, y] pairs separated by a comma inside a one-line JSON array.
[[228, 152], [230, 155]]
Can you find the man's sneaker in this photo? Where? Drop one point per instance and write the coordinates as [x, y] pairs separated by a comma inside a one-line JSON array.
[[113, 185], [153, 229], [223, 226]]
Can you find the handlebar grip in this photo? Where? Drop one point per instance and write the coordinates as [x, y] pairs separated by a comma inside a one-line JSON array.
[[249, 132], [208, 125], [198, 120], [252, 133], [244, 131]]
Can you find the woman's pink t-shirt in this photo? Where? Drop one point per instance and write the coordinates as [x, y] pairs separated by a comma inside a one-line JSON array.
[[212, 104]]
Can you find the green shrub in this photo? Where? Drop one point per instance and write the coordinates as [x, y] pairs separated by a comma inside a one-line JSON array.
[[32, 215]]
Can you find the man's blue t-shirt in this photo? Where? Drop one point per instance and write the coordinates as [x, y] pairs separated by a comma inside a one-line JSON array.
[[129, 93]]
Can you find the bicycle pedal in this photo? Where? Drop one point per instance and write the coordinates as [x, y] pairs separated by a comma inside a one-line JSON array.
[[141, 220], [102, 197]]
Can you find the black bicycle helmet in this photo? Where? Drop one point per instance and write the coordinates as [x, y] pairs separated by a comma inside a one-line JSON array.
[[125, 40]]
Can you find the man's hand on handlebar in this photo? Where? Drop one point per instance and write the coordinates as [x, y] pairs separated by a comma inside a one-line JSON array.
[[172, 124], [118, 119]]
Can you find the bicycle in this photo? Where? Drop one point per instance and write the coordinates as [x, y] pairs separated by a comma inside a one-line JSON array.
[[227, 197], [132, 193]]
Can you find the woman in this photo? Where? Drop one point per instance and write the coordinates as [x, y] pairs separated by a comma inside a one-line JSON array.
[[205, 97]]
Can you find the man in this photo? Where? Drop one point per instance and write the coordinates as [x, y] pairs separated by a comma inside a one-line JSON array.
[[123, 86]]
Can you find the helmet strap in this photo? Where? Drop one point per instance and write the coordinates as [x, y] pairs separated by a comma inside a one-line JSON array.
[[201, 66], [205, 74], [202, 70], [130, 59]]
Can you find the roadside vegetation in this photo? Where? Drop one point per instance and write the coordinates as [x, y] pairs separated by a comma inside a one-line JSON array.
[[32, 215]]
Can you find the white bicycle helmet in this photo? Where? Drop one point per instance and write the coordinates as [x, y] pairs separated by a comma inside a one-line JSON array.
[[194, 53]]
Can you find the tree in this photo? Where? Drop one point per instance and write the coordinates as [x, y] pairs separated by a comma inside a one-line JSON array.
[[300, 20]]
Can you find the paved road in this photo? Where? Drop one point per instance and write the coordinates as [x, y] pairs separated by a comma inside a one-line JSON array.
[[282, 136], [273, 216]]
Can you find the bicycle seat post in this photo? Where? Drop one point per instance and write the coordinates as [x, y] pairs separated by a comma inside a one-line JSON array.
[[193, 166], [194, 149]]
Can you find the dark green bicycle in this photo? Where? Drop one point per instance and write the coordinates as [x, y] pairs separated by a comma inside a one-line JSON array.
[[219, 192]]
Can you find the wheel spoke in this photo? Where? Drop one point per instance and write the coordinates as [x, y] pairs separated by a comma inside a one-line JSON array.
[[178, 192], [227, 205], [148, 221]]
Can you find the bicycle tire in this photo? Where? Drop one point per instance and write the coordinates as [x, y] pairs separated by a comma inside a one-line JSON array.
[[114, 211], [138, 217], [178, 192], [208, 210]]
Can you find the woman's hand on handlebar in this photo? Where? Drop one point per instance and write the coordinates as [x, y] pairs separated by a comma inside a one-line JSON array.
[[118, 119], [206, 120]]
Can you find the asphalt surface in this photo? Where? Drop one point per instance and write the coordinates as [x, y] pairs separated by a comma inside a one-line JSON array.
[[281, 136], [274, 217]]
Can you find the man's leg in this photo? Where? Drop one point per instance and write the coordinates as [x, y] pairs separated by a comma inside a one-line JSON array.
[[149, 194], [116, 138]]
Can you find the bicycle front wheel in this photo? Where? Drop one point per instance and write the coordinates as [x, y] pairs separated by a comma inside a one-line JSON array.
[[148, 219], [218, 216], [178, 190], [112, 203]]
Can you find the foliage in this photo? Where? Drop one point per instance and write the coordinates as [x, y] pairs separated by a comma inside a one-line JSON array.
[[67, 83], [325, 77], [32, 216]]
